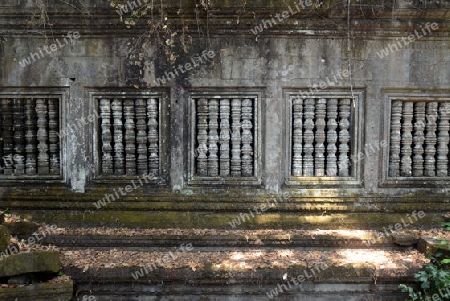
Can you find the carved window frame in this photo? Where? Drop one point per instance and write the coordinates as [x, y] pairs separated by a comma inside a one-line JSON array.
[[94, 94], [409, 95], [231, 93], [356, 136], [62, 95]]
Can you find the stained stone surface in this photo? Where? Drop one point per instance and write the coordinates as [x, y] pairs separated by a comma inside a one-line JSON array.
[[32, 262], [404, 239], [327, 110], [22, 228], [5, 236]]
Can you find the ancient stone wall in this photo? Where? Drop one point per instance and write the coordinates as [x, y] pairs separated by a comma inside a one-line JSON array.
[[333, 107]]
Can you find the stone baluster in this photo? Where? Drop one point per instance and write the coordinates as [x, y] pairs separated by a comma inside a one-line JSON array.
[[213, 138], [319, 157], [119, 162], [247, 138], [332, 137], [106, 137], [141, 136], [236, 137], [8, 143], [42, 136], [224, 137], [308, 138], [130, 137], [394, 157], [202, 137], [344, 137], [418, 138], [297, 137], [153, 136], [406, 140], [30, 137], [442, 141], [53, 139], [430, 139], [19, 136]]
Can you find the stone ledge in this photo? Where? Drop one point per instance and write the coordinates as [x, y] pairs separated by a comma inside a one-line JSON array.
[[32, 262], [220, 220], [21, 228], [255, 292], [348, 274], [238, 205], [38, 292], [141, 242]]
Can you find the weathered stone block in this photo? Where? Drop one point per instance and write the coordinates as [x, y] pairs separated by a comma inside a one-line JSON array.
[[430, 245], [404, 239], [22, 228], [350, 272], [5, 237], [44, 262]]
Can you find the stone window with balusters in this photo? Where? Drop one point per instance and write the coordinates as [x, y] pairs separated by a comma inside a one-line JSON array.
[[225, 138], [128, 135], [29, 130], [323, 137], [418, 131]]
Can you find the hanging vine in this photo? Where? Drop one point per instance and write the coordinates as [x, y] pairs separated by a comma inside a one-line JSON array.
[[164, 30]]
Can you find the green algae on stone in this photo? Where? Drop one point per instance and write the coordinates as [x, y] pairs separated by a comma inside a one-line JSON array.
[[32, 262], [22, 228]]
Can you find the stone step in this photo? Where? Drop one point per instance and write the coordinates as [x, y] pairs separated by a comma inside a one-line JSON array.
[[38, 292], [309, 291], [351, 274], [227, 220], [122, 264], [307, 239], [103, 237]]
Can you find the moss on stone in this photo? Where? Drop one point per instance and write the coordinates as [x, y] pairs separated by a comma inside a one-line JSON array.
[[22, 228], [5, 237], [32, 262]]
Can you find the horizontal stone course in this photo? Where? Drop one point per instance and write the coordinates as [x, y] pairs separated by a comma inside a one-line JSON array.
[[221, 242], [39, 292]]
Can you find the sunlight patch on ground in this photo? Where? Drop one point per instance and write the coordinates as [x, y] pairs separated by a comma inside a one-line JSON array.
[[344, 233], [379, 258], [248, 259]]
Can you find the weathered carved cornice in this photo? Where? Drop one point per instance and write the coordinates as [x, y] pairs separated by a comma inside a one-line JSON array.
[[323, 18]]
